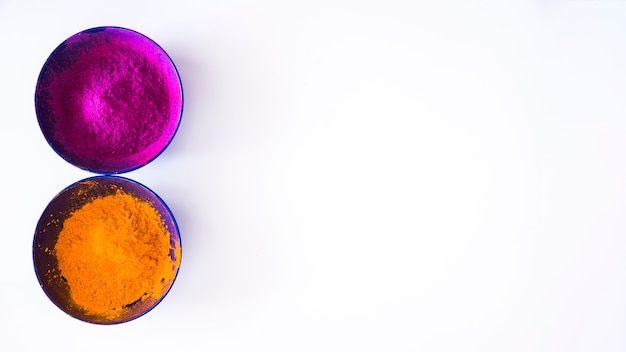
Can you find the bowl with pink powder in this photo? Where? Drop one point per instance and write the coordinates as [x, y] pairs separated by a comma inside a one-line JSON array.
[[109, 100]]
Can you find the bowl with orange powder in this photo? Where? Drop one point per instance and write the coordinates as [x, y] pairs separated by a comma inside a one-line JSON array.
[[106, 250]]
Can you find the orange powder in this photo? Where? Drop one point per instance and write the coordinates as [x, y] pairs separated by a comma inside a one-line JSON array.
[[115, 251]]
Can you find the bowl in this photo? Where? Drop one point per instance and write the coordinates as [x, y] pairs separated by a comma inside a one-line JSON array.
[[109, 100], [106, 250]]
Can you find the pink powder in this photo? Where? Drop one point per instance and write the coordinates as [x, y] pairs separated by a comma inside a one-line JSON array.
[[109, 100]]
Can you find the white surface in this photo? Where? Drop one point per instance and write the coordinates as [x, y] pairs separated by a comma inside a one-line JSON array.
[[354, 175]]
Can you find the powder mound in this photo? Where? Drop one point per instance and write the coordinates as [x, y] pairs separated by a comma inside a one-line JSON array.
[[115, 102], [109, 100], [114, 251]]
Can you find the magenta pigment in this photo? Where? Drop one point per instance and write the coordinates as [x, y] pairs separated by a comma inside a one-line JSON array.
[[109, 100]]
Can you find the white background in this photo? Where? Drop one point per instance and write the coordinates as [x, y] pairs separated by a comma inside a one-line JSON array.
[[353, 175]]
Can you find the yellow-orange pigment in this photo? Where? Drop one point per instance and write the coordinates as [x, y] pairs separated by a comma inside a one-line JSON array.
[[115, 251]]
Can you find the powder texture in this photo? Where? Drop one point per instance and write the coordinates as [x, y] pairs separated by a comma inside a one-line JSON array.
[[113, 252], [116, 104], [109, 100]]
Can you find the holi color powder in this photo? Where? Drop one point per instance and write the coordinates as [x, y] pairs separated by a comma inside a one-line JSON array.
[[106, 250], [109, 100]]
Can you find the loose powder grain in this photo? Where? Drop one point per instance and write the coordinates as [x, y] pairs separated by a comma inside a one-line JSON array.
[[114, 252]]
